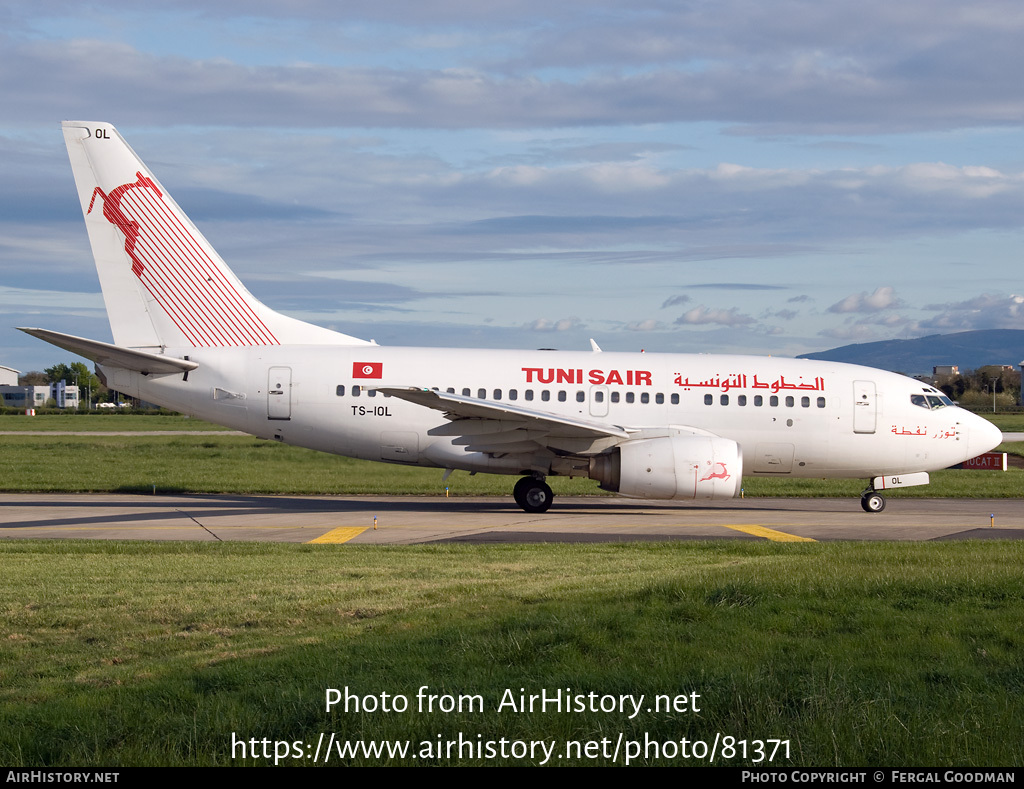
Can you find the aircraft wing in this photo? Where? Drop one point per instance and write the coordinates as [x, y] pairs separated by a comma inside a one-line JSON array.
[[490, 426]]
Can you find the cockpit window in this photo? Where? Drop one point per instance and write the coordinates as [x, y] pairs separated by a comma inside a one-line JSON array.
[[931, 401]]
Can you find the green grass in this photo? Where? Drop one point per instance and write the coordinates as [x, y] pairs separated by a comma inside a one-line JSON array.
[[241, 464], [102, 421], [859, 654], [1008, 423]]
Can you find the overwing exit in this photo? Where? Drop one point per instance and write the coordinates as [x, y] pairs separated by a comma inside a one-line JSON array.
[[189, 336]]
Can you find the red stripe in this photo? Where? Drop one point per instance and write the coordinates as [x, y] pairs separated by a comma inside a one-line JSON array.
[[160, 249], [188, 284], [205, 313], [175, 290], [248, 314], [216, 318]]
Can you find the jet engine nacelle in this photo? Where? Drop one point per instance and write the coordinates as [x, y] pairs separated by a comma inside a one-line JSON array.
[[678, 466]]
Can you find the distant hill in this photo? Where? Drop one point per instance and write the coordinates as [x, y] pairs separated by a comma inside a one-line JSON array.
[[969, 350]]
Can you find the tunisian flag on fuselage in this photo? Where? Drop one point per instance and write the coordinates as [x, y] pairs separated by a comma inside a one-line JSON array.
[[367, 369]]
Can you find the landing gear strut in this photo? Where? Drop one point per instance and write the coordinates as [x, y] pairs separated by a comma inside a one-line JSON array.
[[872, 501], [532, 494]]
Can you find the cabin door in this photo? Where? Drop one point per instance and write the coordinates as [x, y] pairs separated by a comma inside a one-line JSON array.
[[279, 393], [865, 407]]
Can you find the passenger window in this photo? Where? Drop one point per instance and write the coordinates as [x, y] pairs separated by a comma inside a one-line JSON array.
[[645, 398], [465, 392], [481, 393], [821, 402], [741, 400], [773, 401], [629, 397], [615, 397], [659, 398], [497, 394], [708, 399], [371, 392], [725, 400], [561, 395], [340, 391], [450, 390], [758, 401], [598, 396], [528, 394], [355, 390], [805, 402], [675, 399], [790, 402], [545, 395], [580, 396], [513, 394]]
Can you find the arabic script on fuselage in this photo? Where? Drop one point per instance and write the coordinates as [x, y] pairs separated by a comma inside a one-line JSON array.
[[741, 381]]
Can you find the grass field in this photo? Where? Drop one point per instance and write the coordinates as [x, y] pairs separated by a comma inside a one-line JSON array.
[[857, 654], [242, 464], [100, 421]]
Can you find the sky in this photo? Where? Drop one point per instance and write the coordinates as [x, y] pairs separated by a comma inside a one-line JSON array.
[[727, 176]]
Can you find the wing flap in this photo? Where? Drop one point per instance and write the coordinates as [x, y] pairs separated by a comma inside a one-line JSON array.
[[460, 407]]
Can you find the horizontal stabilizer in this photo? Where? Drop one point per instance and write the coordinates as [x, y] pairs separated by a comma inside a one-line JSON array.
[[113, 355]]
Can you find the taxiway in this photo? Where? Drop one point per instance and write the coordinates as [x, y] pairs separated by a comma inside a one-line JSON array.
[[409, 520]]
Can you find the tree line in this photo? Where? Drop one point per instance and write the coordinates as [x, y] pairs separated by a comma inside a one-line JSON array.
[[982, 387]]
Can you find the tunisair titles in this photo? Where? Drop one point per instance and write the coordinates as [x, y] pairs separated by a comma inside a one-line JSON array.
[[597, 377]]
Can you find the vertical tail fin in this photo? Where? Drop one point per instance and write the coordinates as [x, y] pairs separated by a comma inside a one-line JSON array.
[[163, 284]]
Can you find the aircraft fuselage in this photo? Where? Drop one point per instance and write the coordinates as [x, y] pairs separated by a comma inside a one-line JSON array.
[[790, 417]]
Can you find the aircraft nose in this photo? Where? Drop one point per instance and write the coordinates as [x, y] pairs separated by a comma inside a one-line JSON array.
[[982, 436]]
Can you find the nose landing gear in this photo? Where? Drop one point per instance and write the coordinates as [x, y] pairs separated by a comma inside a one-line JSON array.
[[872, 501]]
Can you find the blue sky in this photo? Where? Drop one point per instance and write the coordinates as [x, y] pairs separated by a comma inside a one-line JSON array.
[[772, 177]]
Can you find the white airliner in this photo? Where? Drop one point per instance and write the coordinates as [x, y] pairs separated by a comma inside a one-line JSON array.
[[189, 336]]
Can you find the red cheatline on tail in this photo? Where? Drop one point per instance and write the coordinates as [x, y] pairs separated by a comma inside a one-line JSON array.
[[177, 271]]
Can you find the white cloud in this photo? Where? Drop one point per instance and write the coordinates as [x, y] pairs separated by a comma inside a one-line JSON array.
[[562, 324], [703, 315], [988, 311], [647, 325], [882, 298]]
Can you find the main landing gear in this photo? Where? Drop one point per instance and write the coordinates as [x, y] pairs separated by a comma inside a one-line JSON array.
[[532, 494], [872, 501]]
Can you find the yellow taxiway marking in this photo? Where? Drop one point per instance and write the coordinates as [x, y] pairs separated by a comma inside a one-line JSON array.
[[768, 534], [341, 534]]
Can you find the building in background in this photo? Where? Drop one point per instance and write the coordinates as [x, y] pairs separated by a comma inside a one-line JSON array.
[[24, 397]]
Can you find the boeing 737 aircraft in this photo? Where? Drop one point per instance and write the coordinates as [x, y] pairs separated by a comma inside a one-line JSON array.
[[189, 336]]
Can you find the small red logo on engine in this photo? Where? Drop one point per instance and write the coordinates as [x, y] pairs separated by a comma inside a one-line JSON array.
[[719, 472]]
